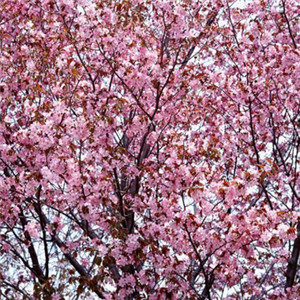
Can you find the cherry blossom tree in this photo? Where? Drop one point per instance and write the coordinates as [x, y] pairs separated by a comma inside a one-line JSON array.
[[149, 149]]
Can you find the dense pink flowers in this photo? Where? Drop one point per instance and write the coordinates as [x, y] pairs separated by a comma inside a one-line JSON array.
[[149, 149]]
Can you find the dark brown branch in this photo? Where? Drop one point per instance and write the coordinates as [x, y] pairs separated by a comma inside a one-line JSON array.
[[36, 269], [25, 295], [208, 285], [209, 279], [293, 261], [256, 152], [189, 55], [77, 266], [288, 24], [135, 97], [232, 25], [43, 226]]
